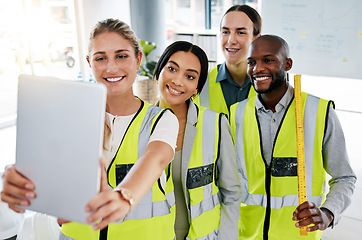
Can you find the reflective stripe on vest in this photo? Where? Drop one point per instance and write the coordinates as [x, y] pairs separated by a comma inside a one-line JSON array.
[[277, 201], [204, 194], [153, 216], [212, 88]]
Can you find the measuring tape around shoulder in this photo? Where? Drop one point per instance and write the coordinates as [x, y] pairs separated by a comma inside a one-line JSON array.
[[302, 190]]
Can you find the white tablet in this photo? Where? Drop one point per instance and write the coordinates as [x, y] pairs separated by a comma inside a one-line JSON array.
[[59, 142]]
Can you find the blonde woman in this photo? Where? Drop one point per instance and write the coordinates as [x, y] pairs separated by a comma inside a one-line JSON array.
[[136, 200]]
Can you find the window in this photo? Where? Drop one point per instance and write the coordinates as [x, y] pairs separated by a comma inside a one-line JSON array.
[[36, 37], [219, 7]]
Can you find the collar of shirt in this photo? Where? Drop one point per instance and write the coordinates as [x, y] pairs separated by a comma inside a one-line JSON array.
[[109, 118], [283, 103]]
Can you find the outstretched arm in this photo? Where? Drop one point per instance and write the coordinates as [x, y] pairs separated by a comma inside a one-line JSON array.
[[110, 206]]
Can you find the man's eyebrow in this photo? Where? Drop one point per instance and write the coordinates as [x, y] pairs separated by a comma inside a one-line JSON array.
[[100, 52], [238, 29], [266, 55]]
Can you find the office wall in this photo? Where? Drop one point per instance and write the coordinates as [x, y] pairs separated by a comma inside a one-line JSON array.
[[95, 10], [325, 36]]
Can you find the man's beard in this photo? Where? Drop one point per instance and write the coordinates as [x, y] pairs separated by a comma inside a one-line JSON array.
[[277, 81]]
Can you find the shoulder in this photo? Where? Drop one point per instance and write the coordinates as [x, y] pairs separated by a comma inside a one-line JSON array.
[[318, 102], [208, 114], [309, 95], [215, 71], [158, 112], [242, 103], [206, 111], [168, 118]]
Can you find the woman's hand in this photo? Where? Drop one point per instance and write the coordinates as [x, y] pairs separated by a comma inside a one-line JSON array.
[[17, 190], [308, 213], [107, 206]]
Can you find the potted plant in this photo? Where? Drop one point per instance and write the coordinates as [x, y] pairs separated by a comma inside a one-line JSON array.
[[145, 87], [148, 64]]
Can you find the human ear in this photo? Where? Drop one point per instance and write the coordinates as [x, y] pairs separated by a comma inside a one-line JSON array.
[[139, 58], [255, 37], [88, 61], [195, 92], [288, 64]]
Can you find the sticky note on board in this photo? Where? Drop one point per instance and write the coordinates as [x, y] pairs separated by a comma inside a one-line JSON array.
[[360, 34], [345, 59], [303, 34]]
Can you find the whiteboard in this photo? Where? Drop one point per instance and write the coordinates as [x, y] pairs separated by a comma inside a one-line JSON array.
[[324, 36]]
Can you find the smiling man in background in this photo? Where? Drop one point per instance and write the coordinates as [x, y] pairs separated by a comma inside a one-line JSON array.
[[228, 82]]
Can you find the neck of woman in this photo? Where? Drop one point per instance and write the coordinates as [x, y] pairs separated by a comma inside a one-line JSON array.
[[122, 105]]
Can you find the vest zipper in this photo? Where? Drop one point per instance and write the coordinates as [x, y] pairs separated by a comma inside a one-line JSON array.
[[267, 184], [103, 234], [268, 210], [268, 173]]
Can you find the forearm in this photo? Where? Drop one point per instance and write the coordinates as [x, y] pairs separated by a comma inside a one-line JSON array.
[[147, 169], [339, 196], [336, 163]]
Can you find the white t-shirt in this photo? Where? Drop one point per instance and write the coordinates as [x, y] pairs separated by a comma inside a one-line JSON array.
[[166, 131]]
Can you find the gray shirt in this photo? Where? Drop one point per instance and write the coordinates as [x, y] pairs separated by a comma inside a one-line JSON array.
[[335, 157]]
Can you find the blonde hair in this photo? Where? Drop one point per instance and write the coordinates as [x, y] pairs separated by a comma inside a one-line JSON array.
[[117, 26]]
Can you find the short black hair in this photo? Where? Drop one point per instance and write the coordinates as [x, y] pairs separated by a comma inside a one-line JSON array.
[[251, 13], [284, 47], [185, 47]]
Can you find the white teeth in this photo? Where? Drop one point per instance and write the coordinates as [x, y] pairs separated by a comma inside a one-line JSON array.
[[261, 78], [114, 79], [232, 50], [173, 90]]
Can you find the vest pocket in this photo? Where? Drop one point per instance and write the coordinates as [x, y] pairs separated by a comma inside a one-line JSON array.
[[199, 176], [121, 172], [284, 167]]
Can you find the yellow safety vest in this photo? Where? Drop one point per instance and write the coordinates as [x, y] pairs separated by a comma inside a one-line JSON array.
[[204, 195], [212, 96], [154, 216], [270, 193]]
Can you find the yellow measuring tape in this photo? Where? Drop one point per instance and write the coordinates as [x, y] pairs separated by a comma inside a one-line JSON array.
[[302, 190]]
